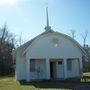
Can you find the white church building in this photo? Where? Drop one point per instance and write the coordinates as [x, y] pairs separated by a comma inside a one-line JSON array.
[[50, 55]]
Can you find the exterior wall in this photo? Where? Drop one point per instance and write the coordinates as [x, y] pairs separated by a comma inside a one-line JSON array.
[[20, 67], [45, 47]]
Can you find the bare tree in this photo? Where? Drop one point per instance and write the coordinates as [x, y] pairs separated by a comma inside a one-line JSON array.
[[72, 33], [84, 37], [6, 36], [7, 40], [86, 49], [20, 40]]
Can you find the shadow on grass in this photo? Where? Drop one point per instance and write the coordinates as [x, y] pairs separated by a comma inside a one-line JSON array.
[[63, 84]]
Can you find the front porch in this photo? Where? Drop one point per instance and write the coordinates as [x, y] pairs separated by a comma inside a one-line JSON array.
[[52, 68]]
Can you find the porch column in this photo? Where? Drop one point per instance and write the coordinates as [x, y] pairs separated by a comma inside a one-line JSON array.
[[28, 70], [80, 67], [65, 68], [47, 69]]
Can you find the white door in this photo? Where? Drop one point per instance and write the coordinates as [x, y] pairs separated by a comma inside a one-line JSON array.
[[60, 69]]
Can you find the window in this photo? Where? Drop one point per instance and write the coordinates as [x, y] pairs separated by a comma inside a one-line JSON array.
[[32, 65], [69, 64]]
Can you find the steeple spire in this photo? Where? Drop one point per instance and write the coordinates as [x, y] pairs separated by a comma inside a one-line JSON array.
[[47, 28], [47, 16]]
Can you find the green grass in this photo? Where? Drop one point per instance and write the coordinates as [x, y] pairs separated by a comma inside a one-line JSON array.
[[86, 74], [9, 83]]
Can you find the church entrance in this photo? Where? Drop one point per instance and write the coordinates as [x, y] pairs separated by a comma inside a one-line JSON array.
[[56, 68], [52, 69]]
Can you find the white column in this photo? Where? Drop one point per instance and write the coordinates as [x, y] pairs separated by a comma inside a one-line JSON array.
[[28, 70], [81, 67], [65, 68], [47, 69]]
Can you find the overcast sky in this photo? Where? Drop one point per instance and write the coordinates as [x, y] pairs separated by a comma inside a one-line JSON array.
[[29, 17]]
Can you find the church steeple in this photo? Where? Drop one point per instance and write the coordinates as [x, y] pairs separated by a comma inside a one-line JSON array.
[[47, 28], [47, 16]]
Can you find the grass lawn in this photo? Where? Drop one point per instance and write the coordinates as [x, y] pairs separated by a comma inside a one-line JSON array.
[[9, 83], [86, 74]]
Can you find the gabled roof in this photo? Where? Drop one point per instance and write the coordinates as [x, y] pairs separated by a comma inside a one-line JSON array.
[[27, 44]]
